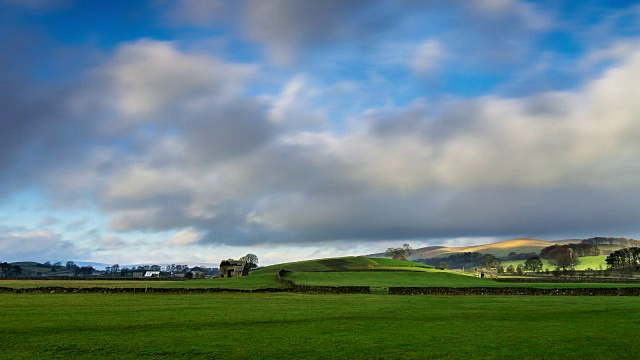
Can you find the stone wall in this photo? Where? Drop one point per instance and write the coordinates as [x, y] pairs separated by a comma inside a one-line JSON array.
[[54, 290], [515, 291]]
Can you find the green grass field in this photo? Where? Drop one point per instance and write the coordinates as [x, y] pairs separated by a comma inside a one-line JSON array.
[[425, 278], [255, 281], [333, 264], [298, 326], [587, 262]]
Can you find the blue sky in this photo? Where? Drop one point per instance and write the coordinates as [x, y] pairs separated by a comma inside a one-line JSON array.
[[192, 131]]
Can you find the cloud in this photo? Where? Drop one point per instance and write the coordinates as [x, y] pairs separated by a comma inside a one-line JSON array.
[[37, 245], [487, 166], [209, 148], [111, 243], [186, 236], [428, 56], [286, 27]]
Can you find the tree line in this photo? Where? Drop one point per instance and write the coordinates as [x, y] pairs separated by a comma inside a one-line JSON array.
[[624, 260]]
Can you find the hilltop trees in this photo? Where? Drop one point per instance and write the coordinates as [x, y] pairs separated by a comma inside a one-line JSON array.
[[7, 270], [399, 253], [251, 259], [489, 261], [565, 256], [624, 260]]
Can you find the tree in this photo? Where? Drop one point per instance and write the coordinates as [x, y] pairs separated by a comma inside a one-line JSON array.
[[563, 257], [443, 265], [533, 264], [84, 271], [519, 269], [188, 275], [489, 261], [70, 265], [399, 253], [510, 269], [5, 269], [251, 259]]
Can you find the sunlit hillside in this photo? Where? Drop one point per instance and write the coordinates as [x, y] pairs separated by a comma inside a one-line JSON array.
[[498, 249]]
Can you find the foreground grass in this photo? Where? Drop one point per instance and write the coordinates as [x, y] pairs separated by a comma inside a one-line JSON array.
[[294, 326], [244, 283]]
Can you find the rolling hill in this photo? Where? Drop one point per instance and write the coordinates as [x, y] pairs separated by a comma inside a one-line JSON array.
[[498, 249], [344, 264], [363, 271]]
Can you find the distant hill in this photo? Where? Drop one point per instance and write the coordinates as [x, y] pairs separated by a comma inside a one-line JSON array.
[[498, 249], [420, 250]]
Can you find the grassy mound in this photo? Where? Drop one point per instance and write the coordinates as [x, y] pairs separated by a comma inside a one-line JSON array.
[[352, 263]]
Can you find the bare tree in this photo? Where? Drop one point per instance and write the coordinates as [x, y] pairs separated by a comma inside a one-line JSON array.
[[399, 253], [251, 259]]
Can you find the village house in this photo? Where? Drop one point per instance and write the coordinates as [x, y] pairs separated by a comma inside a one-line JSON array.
[[152, 274], [233, 268]]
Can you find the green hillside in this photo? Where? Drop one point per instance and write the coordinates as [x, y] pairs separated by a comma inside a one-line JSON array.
[[586, 262], [352, 263], [420, 278]]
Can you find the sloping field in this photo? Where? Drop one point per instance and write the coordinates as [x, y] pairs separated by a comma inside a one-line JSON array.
[[399, 263], [498, 249], [422, 278], [352, 263], [427, 278]]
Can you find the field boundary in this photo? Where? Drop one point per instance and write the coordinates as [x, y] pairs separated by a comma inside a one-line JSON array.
[[515, 291], [128, 290], [462, 291]]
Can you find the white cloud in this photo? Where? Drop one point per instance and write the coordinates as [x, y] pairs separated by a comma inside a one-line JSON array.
[[428, 56], [149, 78], [186, 236]]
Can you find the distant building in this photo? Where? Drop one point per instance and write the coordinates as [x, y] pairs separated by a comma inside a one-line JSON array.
[[138, 274], [486, 273], [152, 274], [233, 268]]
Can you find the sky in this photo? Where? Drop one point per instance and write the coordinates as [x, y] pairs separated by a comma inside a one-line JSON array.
[[192, 131]]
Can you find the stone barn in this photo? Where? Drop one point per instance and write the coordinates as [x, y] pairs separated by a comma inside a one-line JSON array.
[[486, 273], [233, 268]]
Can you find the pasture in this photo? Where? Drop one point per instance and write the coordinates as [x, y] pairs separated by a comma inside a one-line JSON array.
[[295, 326], [425, 278], [586, 262], [255, 281]]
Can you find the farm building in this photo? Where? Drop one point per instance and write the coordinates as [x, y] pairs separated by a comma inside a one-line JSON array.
[[152, 274], [233, 268], [486, 273]]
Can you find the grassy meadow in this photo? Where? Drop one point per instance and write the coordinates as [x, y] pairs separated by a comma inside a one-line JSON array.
[[586, 262], [255, 281], [295, 326]]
